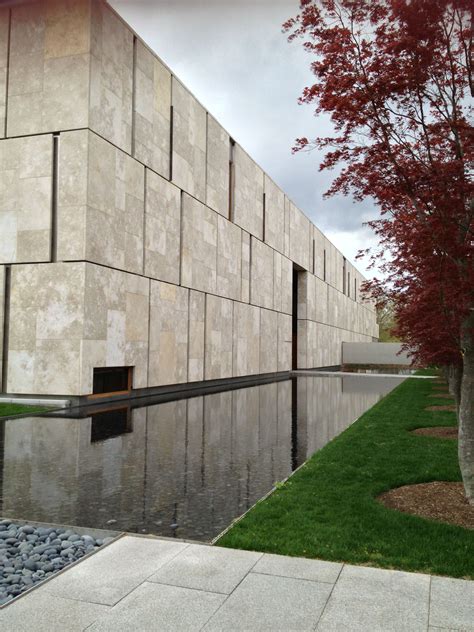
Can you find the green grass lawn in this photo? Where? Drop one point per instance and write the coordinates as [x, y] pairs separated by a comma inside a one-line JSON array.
[[6, 410], [328, 510]]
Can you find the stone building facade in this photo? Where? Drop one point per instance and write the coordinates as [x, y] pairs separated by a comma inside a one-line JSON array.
[[134, 232]]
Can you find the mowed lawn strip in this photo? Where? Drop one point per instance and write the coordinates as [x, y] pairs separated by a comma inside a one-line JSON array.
[[328, 508], [6, 410]]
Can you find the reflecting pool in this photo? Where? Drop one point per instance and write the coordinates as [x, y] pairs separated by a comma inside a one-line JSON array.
[[185, 468]]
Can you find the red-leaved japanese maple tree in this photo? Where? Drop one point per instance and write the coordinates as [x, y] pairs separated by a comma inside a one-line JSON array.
[[396, 77]]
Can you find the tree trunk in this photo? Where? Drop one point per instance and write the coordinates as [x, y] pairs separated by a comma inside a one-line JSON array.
[[454, 383], [466, 410]]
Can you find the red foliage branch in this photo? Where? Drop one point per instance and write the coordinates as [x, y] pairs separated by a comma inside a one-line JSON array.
[[396, 77]]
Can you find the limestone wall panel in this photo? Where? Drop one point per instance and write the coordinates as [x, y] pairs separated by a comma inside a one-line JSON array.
[[116, 308], [111, 76], [46, 328], [101, 220], [49, 49], [162, 229], [246, 343], [168, 350], [152, 111], [300, 233], [2, 317], [217, 175], [245, 267], [4, 34], [218, 346], [261, 274], [274, 215], [229, 255], [268, 341], [197, 302], [189, 142], [248, 193], [25, 201], [284, 342], [199, 246]]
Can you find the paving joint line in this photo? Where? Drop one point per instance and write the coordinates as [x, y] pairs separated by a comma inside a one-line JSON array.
[[234, 589], [301, 579], [315, 627]]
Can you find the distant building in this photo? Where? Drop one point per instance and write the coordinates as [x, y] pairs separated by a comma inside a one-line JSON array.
[[140, 246]]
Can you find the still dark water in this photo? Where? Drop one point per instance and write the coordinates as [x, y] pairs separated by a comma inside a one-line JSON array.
[[184, 468]]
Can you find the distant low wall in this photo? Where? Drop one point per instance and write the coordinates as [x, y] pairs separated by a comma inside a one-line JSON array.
[[374, 353]]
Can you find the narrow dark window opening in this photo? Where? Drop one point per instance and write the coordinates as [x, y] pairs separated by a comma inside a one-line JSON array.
[[349, 284], [344, 276], [116, 379], [171, 141], [54, 199], [324, 266], [264, 214], [231, 180], [314, 257], [6, 328], [355, 290]]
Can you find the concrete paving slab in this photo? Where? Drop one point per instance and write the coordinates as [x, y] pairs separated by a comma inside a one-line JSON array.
[[452, 603], [39, 612], [153, 607], [110, 574], [298, 568], [207, 568], [267, 602], [377, 600]]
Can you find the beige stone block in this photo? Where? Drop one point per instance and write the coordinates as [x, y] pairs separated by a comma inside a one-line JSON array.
[[199, 246], [246, 343], [189, 142], [162, 229], [217, 175], [268, 341], [46, 326], [111, 77], [25, 199], [284, 342], [300, 235], [168, 362], [196, 336], [152, 111], [2, 316], [248, 193], [261, 274], [274, 215], [49, 49], [4, 37], [229, 254], [101, 202], [218, 345], [245, 296]]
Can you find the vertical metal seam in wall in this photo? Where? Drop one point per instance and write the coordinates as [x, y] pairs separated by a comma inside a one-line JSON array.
[[6, 327], [144, 220], [205, 338], [54, 199], [181, 222], [134, 87], [171, 129], [7, 74], [149, 332], [189, 335]]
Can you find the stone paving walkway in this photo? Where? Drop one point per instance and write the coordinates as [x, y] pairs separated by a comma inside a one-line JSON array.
[[148, 584]]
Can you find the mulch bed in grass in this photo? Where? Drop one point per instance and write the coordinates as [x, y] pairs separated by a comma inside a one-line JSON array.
[[441, 432], [442, 395], [449, 408], [440, 500]]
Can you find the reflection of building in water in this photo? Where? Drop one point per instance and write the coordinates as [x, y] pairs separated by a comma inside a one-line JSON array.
[[183, 468]]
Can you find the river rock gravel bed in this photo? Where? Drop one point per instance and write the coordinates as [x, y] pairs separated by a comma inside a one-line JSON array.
[[30, 554]]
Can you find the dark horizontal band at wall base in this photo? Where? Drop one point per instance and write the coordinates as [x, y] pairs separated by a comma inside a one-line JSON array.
[[83, 406]]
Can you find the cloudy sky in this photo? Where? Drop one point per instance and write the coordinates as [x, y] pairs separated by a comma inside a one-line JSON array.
[[233, 56]]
